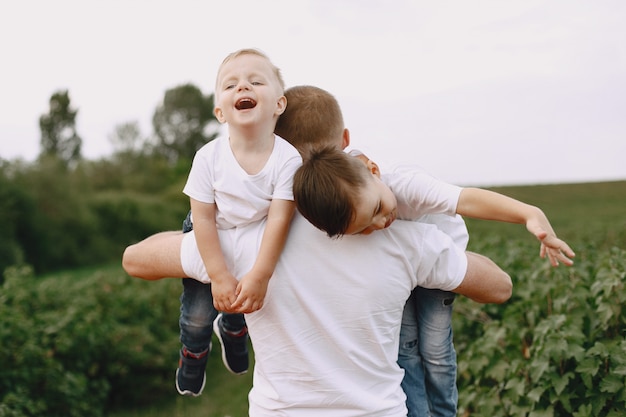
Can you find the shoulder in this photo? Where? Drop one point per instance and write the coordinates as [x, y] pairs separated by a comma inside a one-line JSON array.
[[211, 148], [285, 147], [286, 155]]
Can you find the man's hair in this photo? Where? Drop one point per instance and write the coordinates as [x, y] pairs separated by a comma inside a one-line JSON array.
[[326, 188], [251, 51], [312, 118]]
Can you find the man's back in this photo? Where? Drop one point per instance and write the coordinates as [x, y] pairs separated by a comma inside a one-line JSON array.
[[327, 336]]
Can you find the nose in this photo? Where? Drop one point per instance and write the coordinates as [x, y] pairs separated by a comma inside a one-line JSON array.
[[243, 85]]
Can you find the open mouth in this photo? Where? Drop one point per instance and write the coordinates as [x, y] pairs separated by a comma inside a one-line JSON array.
[[245, 103]]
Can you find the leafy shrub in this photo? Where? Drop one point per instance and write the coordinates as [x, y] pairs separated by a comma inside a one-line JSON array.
[[556, 348], [75, 344]]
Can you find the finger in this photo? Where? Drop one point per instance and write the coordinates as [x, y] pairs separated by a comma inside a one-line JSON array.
[[565, 260], [567, 250], [553, 259]]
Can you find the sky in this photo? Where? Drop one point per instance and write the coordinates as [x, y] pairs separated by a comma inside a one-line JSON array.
[[482, 93]]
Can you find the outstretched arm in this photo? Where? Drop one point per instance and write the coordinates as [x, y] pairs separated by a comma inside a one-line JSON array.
[[488, 205], [253, 286]]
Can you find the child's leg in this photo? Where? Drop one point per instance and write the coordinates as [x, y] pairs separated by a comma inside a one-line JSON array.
[[196, 328], [230, 329], [434, 316], [196, 315], [410, 360]]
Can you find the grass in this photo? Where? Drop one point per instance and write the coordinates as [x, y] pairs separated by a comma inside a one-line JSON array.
[[225, 395], [579, 213]]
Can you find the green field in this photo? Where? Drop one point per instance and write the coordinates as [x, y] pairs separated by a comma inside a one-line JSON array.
[[95, 342]]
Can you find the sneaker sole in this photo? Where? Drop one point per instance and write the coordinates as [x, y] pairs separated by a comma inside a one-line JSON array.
[[216, 330], [187, 392]]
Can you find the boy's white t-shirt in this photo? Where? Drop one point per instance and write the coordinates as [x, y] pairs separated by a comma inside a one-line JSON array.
[[425, 198], [241, 198]]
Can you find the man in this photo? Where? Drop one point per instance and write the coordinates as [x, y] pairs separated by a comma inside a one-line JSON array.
[[326, 339]]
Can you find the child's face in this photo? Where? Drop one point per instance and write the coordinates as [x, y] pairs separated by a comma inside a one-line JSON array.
[[247, 91], [376, 206]]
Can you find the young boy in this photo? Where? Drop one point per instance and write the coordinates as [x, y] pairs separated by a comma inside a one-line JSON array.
[[240, 184], [426, 351]]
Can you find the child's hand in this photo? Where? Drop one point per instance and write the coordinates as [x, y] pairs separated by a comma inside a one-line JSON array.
[[250, 293], [223, 290], [554, 248]]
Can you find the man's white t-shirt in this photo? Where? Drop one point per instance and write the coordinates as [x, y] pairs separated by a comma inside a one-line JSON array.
[[326, 340]]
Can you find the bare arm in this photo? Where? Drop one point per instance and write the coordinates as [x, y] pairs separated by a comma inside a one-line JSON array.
[[484, 281], [488, 205], [253, 286], [223, 283], [156, 257]]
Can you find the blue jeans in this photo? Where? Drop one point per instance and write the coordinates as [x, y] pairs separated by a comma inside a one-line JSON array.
[[197, 312], [427, 354]]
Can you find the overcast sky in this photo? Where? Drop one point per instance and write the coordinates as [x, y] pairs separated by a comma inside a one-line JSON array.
[[477, 92]]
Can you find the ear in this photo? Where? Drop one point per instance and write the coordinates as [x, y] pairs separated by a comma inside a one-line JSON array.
[[345, 139], [281, 105], [373, 167], [219, 115]]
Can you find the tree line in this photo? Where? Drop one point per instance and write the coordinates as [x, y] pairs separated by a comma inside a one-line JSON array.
[[64, 211]]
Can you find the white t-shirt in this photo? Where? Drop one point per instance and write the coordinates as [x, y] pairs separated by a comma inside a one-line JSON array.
[[326, 340], [427, 199], [241, 198]]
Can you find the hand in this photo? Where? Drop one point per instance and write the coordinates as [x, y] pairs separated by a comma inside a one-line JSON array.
[[554, 248], [250, 292], [223, 290]]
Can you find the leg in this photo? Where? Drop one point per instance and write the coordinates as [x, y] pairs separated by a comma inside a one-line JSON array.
[[155, 257], [230, 329], [196, 328], [434, 314], [197, 314], [410, 360]]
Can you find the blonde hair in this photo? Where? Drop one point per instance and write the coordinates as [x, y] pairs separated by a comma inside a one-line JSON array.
[[251, 51]]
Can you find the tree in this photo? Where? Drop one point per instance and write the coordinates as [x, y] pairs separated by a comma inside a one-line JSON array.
[[127, 139], [184, 122], [58, 130]]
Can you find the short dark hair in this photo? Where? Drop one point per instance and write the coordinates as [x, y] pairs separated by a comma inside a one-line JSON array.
[[312, 118], [326, 188]]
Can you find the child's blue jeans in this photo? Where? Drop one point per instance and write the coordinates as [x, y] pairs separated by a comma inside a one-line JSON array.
[[427, 354], [197, 314]]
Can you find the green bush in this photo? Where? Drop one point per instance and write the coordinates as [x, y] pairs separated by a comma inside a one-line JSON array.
[[556, 348], [77, 344]]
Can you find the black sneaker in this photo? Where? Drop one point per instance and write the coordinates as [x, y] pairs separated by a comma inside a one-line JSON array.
[[234, 347], [190, 375]]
